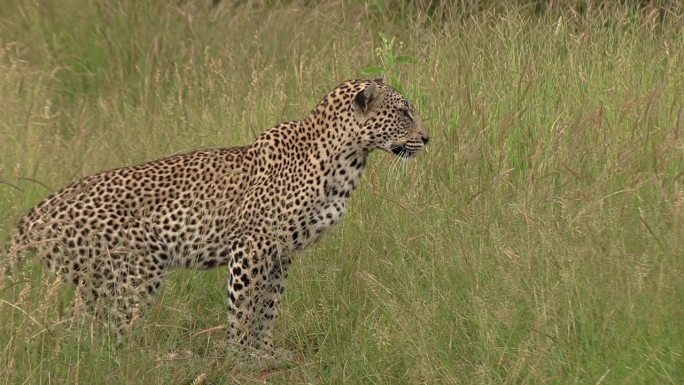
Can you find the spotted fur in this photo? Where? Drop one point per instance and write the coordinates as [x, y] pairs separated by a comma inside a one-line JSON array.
[[117, 234]]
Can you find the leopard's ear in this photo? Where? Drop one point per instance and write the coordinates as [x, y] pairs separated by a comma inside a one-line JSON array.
[[382, 79], [366, 99]]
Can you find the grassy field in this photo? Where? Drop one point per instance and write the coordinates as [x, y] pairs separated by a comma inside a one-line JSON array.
[[539, 240]]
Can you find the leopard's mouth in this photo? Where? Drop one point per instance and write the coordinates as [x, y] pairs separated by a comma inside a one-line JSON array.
[[405, 151]]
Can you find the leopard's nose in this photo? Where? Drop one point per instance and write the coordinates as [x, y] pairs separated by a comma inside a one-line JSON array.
[[425, 139]]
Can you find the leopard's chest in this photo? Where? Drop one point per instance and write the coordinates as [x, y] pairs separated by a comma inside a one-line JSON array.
[[324, 209], [311, 221]]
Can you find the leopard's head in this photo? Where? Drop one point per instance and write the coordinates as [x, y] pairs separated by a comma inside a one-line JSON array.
[[387, 120]]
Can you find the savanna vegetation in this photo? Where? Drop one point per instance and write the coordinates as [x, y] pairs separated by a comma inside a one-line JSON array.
[[540, 239]]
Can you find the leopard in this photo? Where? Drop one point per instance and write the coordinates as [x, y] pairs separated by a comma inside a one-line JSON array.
[[116, 235]]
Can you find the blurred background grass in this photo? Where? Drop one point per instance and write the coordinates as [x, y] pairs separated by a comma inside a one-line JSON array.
[[540, 239]]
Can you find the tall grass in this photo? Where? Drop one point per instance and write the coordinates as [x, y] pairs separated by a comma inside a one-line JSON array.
[[540, 239]]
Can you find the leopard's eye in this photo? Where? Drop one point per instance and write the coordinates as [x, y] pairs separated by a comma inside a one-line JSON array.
[[406, 113]]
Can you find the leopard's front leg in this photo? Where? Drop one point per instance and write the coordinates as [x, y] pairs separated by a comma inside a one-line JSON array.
[[275, 290], [252, 304]]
